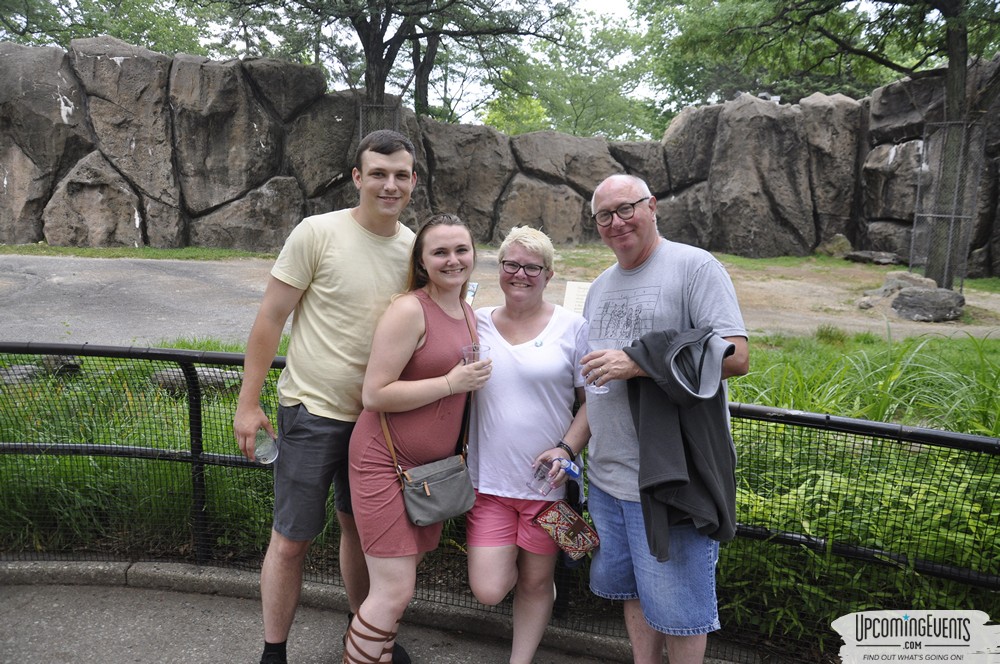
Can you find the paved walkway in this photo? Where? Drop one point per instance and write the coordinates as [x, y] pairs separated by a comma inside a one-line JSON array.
[[148, 613]]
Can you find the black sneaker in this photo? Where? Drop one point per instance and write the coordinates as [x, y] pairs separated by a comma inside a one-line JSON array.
[[273, 658]]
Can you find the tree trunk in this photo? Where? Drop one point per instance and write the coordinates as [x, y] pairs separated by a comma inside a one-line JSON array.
[[422, 67], [946, 211]]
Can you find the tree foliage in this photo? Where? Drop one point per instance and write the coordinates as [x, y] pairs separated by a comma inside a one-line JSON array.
[[389, 36], [165, 26], [587, 86], [705, 50]]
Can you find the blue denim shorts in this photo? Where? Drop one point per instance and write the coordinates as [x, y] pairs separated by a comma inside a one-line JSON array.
[[677, 596], [312, 455]]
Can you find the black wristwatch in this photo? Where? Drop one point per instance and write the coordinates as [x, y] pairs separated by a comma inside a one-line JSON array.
[[569, 450]]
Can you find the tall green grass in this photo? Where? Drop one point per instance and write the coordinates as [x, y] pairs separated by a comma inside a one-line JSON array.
[[943, 383]]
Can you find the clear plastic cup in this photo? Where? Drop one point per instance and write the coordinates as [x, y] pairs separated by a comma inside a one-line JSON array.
[[539, 481], [595, 389], [265, 448], [475, 353]]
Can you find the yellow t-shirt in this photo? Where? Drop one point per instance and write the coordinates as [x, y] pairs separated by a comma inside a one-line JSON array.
[[349, 275]]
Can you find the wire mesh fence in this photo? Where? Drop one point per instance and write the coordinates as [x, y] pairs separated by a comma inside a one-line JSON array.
[[951, 163], [128, 455], [372, 117]]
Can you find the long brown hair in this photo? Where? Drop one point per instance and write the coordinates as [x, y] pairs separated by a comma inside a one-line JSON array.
[[418, 273]]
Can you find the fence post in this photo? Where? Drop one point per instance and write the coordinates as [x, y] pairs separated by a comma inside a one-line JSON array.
[[199, 517]]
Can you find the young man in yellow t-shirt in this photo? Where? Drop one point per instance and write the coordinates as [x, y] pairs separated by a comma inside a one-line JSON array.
[[336, 272]]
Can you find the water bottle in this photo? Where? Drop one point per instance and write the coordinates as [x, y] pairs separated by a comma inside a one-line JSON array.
[[265, 448]]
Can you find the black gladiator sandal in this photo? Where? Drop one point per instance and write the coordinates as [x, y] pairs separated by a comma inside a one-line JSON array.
[[375, 634]]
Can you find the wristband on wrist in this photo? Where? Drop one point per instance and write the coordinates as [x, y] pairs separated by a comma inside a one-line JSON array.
[[569, 450]]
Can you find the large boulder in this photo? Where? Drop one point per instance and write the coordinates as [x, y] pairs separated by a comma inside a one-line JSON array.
[[891, 175], [831, 125], [688, 143], [899, 110], [226, 143], [580, 163], [931, 305], [686, 216], [471, 168], [761, 204], [259, 221], [126, 89], [287, 87], [894, 237], [556, 209], [43, 132], [646, 160], [319, 143], [93, 206]]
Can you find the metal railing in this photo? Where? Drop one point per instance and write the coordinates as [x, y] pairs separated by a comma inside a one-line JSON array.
[[127, 454]]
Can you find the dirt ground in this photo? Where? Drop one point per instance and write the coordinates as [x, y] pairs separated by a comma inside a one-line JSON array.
[[798, 300], [142, 302]]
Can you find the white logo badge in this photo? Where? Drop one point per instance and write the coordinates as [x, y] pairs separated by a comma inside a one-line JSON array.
[[918, 636]]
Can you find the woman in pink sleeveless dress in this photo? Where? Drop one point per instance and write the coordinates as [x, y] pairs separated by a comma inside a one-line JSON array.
[[416, 376]]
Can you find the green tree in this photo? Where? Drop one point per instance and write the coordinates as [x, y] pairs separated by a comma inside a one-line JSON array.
[[387, 30], [165, 26], [705, 50], [588, 85], [515, 114]]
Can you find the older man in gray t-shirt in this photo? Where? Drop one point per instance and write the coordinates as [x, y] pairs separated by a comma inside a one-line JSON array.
[[655, 285]]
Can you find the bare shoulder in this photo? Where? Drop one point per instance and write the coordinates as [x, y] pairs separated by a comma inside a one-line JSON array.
[[405, 308]]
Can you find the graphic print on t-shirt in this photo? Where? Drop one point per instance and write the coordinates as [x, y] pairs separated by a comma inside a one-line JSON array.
[[622, 316]]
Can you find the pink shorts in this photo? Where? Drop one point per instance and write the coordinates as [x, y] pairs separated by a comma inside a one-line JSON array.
[[500, 521]]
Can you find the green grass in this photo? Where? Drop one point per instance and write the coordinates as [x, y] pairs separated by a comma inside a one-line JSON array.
[[930, 381], [187, 253], [988, 285]]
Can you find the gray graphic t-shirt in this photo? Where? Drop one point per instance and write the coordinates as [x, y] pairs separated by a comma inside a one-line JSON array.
[[680, 287]]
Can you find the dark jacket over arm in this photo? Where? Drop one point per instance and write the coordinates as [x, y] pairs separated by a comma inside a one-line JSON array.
[[687, 461]]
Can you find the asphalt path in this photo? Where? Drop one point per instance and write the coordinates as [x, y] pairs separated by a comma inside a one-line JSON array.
[[144, 303], [127, 302]]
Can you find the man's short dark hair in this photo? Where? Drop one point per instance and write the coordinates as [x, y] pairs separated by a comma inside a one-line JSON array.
[[384, 141]]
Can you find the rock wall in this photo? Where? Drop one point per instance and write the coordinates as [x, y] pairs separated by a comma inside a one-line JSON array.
[[112, 144]]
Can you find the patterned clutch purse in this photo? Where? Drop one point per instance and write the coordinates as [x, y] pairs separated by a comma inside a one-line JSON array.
[[569, 530]]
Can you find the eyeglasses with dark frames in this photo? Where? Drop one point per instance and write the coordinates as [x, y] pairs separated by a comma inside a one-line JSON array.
[[624, 212], [511, 267]]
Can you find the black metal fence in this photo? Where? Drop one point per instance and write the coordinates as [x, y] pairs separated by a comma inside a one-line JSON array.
[[127, 454]]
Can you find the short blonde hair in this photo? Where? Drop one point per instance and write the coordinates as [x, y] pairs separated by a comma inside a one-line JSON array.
[[531, 239]]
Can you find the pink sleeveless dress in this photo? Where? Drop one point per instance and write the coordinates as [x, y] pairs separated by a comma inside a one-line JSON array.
[[419, 436]]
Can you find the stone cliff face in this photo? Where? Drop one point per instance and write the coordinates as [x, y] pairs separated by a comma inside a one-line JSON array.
[[112, 144]]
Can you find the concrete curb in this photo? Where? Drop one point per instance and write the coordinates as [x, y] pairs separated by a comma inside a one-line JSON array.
[[179, 577]]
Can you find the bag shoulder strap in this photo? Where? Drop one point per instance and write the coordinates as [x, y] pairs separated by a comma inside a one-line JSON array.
[[392, 450], [472, 328], [464, 437]]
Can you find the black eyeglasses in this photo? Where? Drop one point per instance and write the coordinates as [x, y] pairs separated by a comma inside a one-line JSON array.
[[624, 212], [511, 267]]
